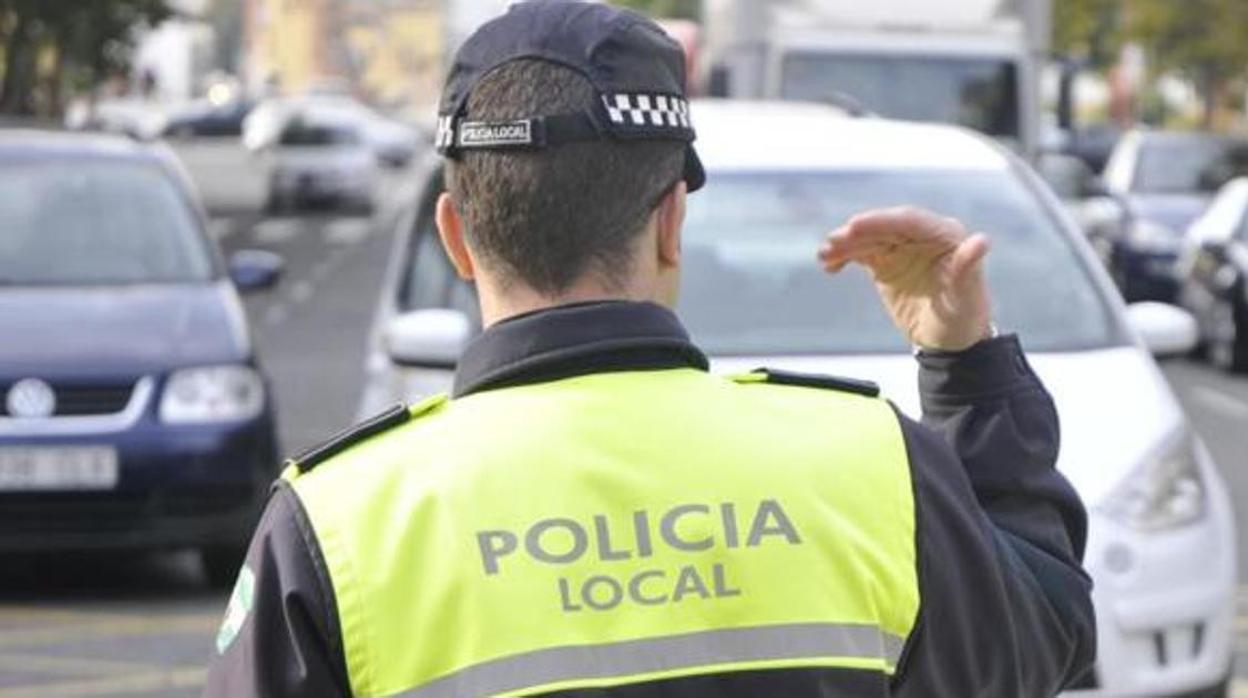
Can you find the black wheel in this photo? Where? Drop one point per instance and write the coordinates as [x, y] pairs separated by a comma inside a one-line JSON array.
[[221, 564], [1228, 337]]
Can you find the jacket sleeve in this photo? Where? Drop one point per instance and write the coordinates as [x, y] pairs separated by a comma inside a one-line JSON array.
[[1005, 604], [280, 636]]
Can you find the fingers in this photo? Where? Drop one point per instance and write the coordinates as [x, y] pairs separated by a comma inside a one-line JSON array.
[[969, 256], [878, 232]]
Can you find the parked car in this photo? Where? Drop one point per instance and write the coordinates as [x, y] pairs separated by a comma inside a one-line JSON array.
[[1162, 538], [392, 142], [1168, 179], [1213, 273], [207, 119], [1103, 217], [320, 158], [133, 411]]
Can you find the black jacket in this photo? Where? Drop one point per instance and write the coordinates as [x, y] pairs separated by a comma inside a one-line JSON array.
[[1005, 605]]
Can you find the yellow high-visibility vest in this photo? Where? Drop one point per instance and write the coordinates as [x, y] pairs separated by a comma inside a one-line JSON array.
[[615, 528]]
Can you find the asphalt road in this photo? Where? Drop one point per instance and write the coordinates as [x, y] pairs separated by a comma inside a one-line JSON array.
[[142, 625]]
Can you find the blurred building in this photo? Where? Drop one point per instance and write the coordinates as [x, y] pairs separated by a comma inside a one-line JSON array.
[[172, 60], [390, 52]]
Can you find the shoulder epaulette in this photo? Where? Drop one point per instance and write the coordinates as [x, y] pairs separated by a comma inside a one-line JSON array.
[[396, 416], [811, 380]]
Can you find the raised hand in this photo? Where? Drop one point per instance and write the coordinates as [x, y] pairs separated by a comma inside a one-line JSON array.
[[928, 269]]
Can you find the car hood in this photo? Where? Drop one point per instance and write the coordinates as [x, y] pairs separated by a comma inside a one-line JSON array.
[[125, 330], [1175, 211], [1114, 406]]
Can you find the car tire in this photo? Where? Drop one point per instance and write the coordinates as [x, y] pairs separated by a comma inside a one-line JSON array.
[[221, 563], [1227, 345]]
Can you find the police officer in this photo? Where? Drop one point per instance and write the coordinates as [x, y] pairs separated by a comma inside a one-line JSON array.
[[592, 513]]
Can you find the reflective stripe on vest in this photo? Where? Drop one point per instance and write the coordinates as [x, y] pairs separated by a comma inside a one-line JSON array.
[[616, 528]]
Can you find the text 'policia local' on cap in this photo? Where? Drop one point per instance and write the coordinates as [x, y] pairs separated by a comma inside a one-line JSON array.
[[637, 70]]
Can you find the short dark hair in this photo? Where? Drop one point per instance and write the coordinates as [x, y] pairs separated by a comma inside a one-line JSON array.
[[547, 217]]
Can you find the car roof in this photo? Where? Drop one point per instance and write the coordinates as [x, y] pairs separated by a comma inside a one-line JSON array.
[[760, 135], [31, 143]]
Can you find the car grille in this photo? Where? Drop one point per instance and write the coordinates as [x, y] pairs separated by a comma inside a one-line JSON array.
[[83, 399]]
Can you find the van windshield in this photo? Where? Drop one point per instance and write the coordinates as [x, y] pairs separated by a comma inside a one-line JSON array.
[[979, 93]]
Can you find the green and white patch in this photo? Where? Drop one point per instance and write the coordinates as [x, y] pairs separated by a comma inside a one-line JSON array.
[[238, 610]]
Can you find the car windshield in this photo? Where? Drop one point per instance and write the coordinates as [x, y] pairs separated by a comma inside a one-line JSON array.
[[66, 222], [310, 134], [1186, 165], [751, 284], [978, 93]]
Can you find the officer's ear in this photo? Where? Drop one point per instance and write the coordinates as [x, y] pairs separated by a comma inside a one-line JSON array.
[[669, 220], [451, 230]]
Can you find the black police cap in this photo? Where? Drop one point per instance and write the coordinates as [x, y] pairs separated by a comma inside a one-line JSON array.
[[637, 70]]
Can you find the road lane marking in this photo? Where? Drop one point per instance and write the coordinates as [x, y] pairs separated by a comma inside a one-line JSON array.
[[112, 628], [300, 291], [276, 314], [271, 232], [347, 231], [321, 270], [1239, 688], [134, 684], [71, 666], [1218, 401]]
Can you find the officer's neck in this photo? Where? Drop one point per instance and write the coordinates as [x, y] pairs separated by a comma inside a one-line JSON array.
[[498, 304]]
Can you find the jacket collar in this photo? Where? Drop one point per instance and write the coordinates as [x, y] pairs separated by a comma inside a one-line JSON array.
[[574, 340]]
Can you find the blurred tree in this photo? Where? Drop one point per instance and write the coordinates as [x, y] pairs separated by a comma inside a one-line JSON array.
[[681, 9], [75, 41], [1089, 31], [1205, 41]]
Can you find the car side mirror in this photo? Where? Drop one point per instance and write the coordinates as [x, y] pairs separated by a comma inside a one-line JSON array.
[[254, 270], [1165, 329], [432, 338]]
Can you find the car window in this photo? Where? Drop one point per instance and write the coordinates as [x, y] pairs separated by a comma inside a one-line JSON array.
[[96, 222], [978, 93], [1179, 165], [431, 281], [751, 284], [303, 133], [1241, 233]]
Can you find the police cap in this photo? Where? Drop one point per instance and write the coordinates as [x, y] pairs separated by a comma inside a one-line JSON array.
[[637, 70]]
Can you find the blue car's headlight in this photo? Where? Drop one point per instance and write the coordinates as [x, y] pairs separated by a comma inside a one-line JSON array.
[[212, 394], [1166, 492]]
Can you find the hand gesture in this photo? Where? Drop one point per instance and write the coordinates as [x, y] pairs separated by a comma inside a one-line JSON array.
[[928, 270]]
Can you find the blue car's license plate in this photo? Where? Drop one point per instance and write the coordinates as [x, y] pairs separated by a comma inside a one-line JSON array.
[[43, 469]]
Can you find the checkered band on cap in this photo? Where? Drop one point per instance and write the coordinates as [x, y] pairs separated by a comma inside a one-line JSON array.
[[446, 132], [647, 111]]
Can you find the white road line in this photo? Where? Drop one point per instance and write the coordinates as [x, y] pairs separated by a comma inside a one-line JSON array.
[[1239, 688], [300, 291], [347, 231], [1218, 401], [274, 231], [276, 314], [321, 270]]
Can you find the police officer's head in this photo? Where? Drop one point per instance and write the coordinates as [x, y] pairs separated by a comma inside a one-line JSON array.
[[569, 155]]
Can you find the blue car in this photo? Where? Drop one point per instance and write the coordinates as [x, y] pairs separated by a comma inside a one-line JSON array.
[[133, 413]]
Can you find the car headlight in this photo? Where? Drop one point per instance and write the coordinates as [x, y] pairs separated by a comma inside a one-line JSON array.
[[212, 394], [1149, 236], [1165, 493]]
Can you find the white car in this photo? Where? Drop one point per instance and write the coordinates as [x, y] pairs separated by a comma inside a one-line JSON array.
[[321, 158], [392, 142], [1162, 541]]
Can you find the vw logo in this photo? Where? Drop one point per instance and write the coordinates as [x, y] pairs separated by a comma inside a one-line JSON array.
[[30, 398]]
